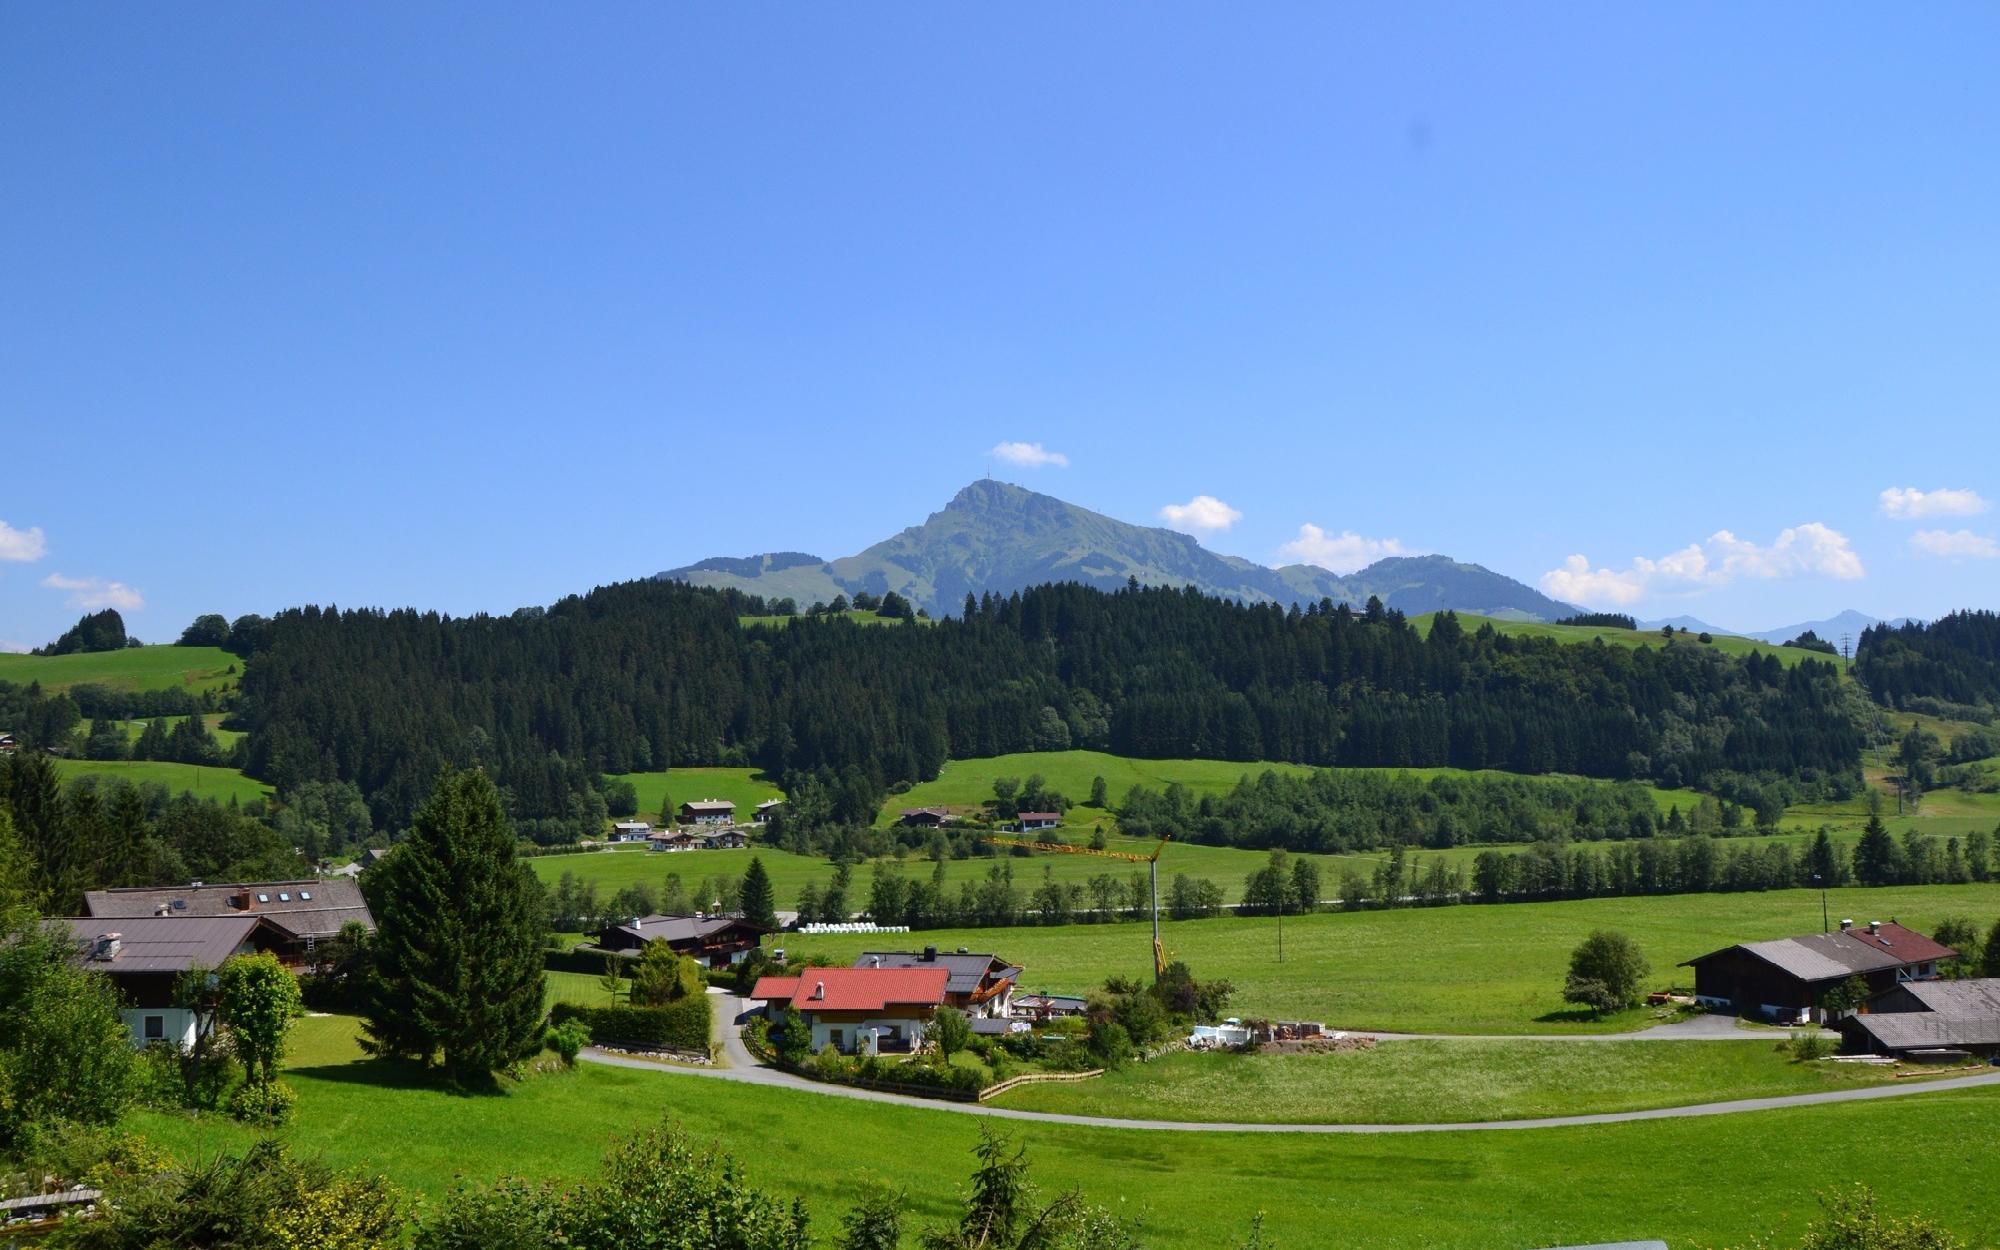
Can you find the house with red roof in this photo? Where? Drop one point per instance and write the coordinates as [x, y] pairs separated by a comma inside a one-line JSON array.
[[860, 1010], [1787, 979]]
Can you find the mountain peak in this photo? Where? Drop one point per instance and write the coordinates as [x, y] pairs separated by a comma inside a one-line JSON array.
[[1000, 537]]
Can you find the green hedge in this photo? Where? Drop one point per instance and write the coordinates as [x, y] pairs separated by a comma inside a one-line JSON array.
[[682, 1025], [584, 958]]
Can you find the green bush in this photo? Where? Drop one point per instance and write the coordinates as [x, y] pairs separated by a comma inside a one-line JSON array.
[[568, 1038], [1809, 1045], [265, 1104], [680, 1025]]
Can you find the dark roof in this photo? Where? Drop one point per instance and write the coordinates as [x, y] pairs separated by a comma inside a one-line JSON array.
[[1051, 1000], [316, 908], [167, 943], [1975, 997], [968, 971], [1041, 816], [909, 812], [1924, 1030], [1836, 956], [680, 929], [710, 805]]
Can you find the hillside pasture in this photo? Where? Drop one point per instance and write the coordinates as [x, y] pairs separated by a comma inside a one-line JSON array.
[[1452, 1190], [193, 669], [1468, 969], [220, 784], [1727, 644], [745, 787]]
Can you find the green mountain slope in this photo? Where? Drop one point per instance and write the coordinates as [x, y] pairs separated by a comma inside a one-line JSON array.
[[998, 537]]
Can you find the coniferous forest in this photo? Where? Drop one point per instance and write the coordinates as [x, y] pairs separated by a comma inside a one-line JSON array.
[[645, 675], [1954, 662]]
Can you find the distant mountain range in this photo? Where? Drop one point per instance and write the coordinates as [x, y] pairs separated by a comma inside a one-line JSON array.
[[1849, 622], [997, 537]]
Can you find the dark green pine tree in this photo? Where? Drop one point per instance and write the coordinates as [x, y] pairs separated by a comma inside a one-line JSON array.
[[759, 902], [1875, 855], [458, 980]]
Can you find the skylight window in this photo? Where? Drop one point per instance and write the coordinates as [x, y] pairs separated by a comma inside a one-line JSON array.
[[284, 897], [263, 898], [305, 895]]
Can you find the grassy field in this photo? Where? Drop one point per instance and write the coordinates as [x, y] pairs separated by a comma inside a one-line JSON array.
[[966, 784], [1940, 813], [221, 784], [858, 617], [1466, 1189], [1422, 1082], [1728, 644], [226, 738], [745, 787], [193, 669], [1467, 969]]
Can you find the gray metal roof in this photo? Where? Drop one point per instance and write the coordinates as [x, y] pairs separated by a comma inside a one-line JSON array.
[[1923, 1030], [165, 943], [671, 929], [710, 805], [1822, 957], [968, 971], [315, 908], [1958, 998]]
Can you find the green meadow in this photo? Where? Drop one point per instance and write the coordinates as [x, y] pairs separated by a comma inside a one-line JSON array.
[[1468, 969], [1442, 1082], [858, 617], [1728, 644], [1475, 1190], [220, 784], [745, 787], [193, 669]]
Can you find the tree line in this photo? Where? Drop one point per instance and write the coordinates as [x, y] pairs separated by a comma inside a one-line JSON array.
[[1954, 662], [651, 674]]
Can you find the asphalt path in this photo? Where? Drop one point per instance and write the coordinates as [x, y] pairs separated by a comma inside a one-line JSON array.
[[742, 1067]]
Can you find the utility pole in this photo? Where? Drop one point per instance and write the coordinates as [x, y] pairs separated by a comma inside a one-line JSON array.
[[1825, 922], [1846, 652]]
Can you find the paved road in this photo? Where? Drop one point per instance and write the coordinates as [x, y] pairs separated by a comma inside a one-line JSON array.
[[746, 1070]]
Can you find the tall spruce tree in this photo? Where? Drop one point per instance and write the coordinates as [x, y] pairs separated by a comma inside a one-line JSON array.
[[458, 954], [760, 905], [1875, 855]]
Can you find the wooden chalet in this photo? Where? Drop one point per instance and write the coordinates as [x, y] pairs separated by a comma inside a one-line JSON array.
[[1786, 979], [979, 984], [146, 956], [715, 941]]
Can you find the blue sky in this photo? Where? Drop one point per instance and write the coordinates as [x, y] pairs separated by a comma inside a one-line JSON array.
[[473, 306]]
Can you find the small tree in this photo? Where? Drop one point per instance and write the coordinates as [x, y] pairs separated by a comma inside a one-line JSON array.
[[661, 977], [951, 1031], [759, 900], [1850, 995], [877, 1224], [258, 1000], [1099, 792], [613, 979], [1605, 972], [794, 1040]]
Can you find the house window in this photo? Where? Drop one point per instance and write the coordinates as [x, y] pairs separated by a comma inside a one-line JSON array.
[[838, 1038], [155, 1028]]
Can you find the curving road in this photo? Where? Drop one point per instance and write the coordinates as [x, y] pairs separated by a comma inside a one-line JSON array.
[[745, 1069]]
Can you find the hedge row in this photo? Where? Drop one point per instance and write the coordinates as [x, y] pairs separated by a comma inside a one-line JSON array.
[[681, 1025], [583, 958]]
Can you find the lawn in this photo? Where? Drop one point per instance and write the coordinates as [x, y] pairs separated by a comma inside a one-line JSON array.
[[1465, 969], [225, 738], [1464, 1189], [1940, 813], [193, 669], [221, 784], [1728, 644], [745, 787], [1411, 1082]]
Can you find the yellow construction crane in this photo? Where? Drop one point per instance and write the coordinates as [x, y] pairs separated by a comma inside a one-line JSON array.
[[1152, 863]]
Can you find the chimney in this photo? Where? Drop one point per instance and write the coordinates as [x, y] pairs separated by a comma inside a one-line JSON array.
[[930, 954], [819, 990], [106, 947], [1874, 926], [1846, 924], [245, 900], [164, 909], [874, 961]]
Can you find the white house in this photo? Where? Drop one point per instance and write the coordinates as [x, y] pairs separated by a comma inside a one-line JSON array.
[[859, 1009], [145, 956]]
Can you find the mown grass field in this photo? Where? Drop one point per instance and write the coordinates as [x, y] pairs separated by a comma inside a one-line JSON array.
[[193, 669], [1728, 644], [220, 784], [745, 787], [1428, 1082], [1939, 813], [1464, 969], [1716, 1181], [226, 738]]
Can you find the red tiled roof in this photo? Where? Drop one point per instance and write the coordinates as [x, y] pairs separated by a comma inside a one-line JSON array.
[[855, 989], [1894, 940]]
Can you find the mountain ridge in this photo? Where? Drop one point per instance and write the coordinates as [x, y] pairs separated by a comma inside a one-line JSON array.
[[998, 537]]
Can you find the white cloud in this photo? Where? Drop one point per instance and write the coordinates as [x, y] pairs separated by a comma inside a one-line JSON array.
[[22, 546], [1203, 514], [92, 593], [1810, 550], [1338, 553], [1029, 456], [1907, 503], [1956, 544]]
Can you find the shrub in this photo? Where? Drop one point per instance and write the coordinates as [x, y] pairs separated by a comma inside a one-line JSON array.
[[1809, 1045], [568, 1038], [265, 1104]]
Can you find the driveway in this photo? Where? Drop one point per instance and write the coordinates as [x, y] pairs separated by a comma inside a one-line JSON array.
[[743, 1068]]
